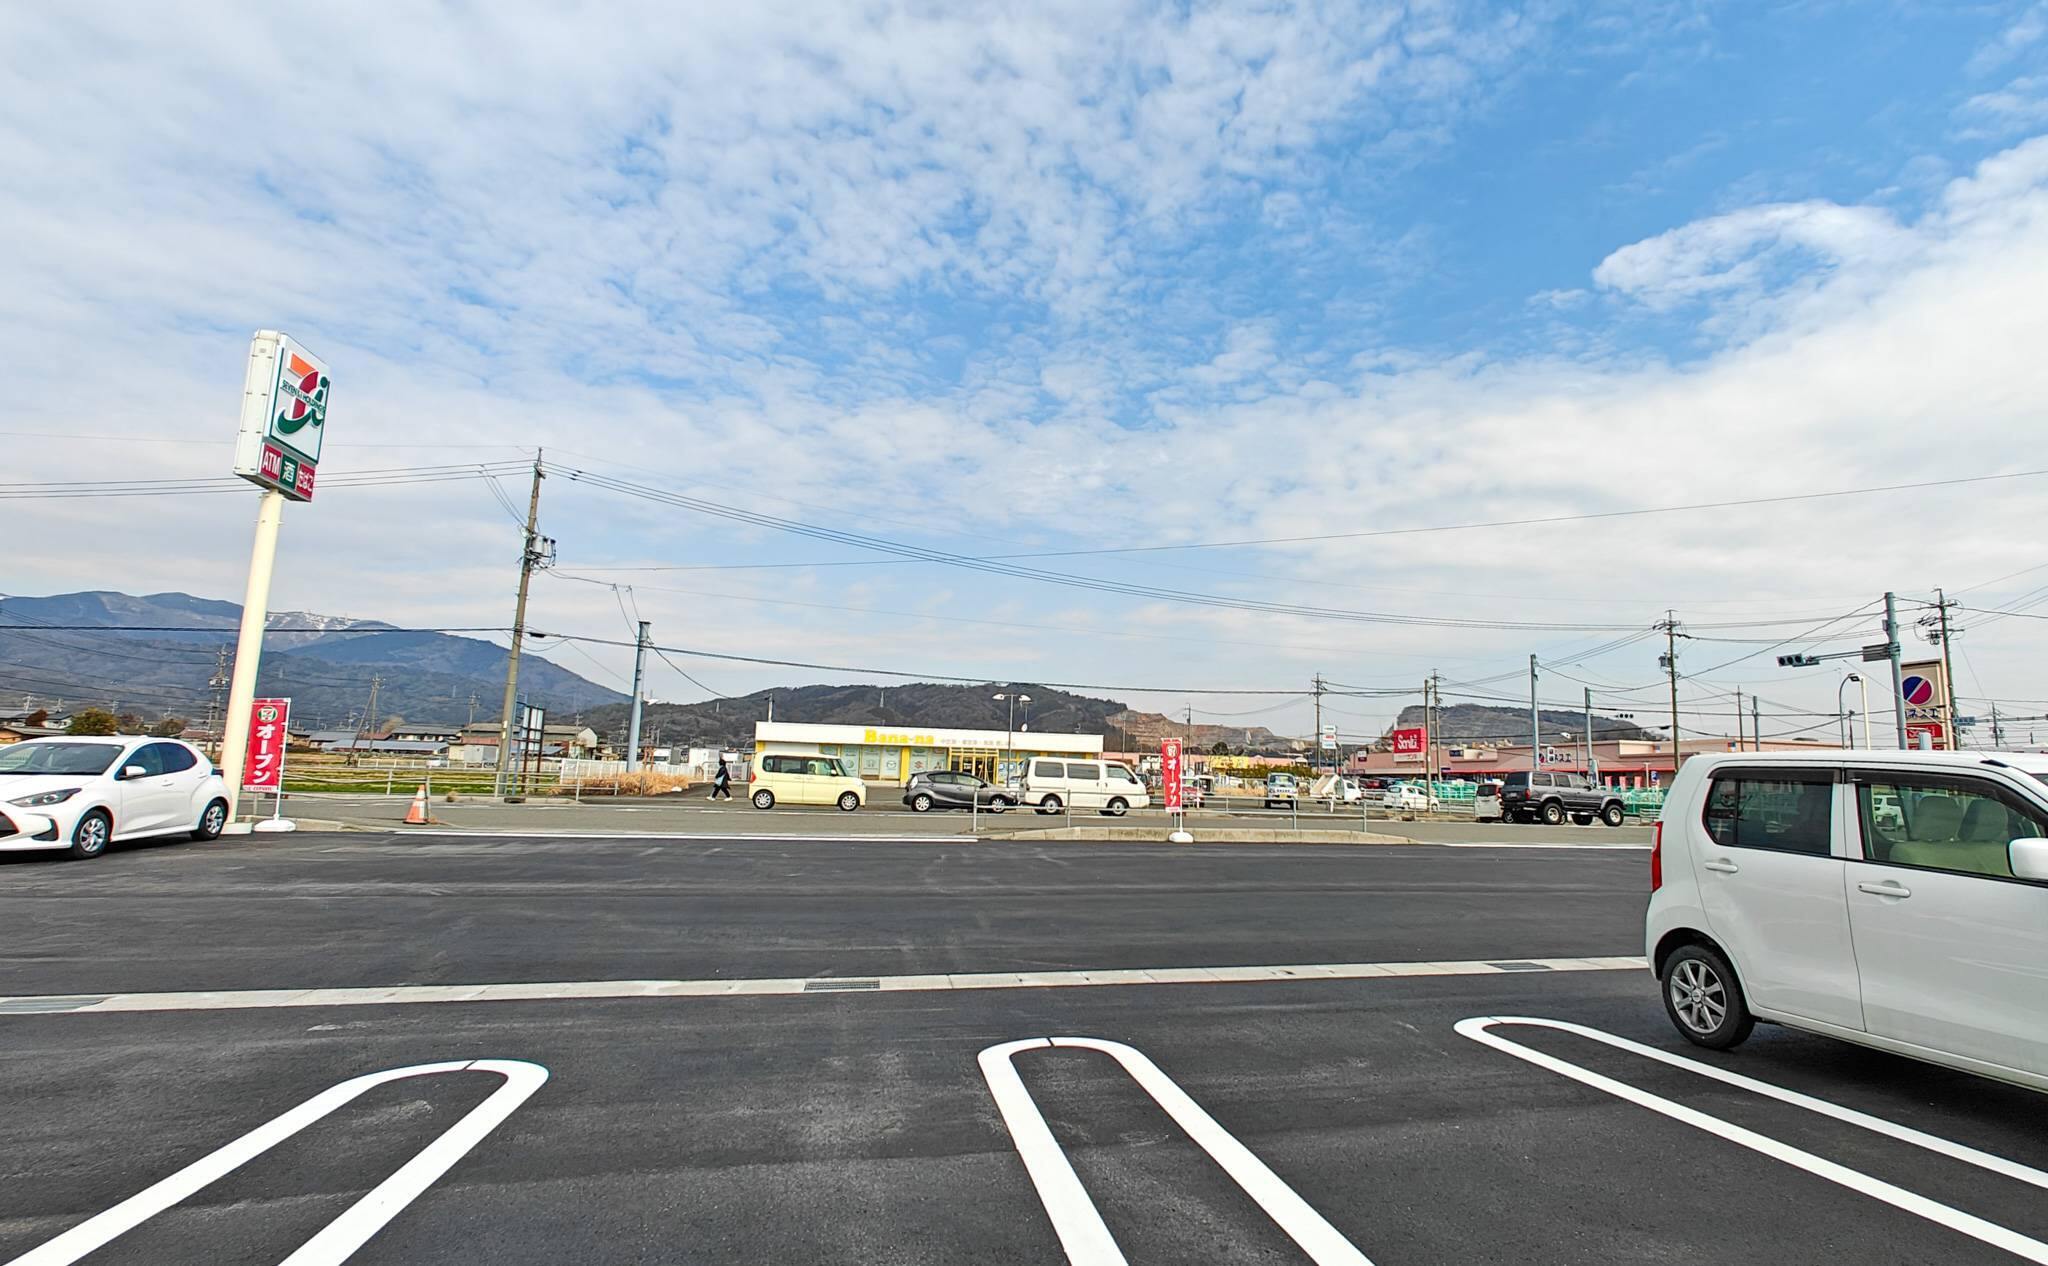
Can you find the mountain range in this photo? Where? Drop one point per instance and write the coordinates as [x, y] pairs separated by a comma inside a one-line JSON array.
[[156, 654]]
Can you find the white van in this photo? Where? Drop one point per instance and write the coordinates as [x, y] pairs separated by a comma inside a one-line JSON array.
[[1055, 783], [1893, 899], [793, 778]]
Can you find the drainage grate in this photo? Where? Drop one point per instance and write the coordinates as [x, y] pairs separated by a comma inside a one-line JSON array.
[[44, 1006], [827, 986], [1521, 966]]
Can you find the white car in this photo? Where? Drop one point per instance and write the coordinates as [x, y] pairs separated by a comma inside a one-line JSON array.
[[83, 793], [1050, 785], [1407, 796], [1893, 899]]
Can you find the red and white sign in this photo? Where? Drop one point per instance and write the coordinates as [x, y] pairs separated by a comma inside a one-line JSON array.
[[1169, 770], [1409, 744], [264, 768], [1932, 731]]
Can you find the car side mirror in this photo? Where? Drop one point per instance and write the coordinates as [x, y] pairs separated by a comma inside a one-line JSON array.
[[2029, 858], [134, 771]]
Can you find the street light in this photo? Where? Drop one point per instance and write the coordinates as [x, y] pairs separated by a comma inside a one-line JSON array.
[[1843, 712], [1009, 730]]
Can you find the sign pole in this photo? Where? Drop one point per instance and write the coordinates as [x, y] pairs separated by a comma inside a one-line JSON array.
[[249, 643]]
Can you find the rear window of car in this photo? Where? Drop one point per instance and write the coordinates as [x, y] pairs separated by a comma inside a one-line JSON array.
[[173, 757], [1087, 773], [1048, 769], [1787, 811]]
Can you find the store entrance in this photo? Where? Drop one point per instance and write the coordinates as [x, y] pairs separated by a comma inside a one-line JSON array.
[[981, 764]]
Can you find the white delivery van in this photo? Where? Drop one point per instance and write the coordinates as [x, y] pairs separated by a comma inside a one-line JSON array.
[[1055, 783], [1893, 899]]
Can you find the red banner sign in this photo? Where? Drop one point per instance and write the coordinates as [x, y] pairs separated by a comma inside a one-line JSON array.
[[1169, 771], [263, 770], [1932, 729], [1409, 742]]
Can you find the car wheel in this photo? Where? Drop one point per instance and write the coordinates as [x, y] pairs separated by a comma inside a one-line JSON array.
[[764, 799], [848, 802], [921, 803], [1000, 804], [1115, 808], [211, 821], [1703, 998], [1051, 804], [1553, 814], [89, 837], [1611, 815]]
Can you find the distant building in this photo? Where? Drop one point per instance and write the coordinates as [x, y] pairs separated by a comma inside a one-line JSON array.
[[478, 744], [893, 753]]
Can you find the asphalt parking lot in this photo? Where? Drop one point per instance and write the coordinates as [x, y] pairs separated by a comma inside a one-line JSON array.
[[749, 1050]]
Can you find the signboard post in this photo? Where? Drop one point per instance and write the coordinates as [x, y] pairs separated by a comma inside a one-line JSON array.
[[263, 758], [1170, 788], [285, 391]]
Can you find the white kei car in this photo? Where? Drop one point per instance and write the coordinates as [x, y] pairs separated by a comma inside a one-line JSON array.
[[79, 794], [1893, 899]]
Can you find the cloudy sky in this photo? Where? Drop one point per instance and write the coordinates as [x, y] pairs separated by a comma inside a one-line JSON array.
[[1064, 280]]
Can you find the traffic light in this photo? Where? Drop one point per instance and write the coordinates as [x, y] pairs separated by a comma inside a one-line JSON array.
[[1797, 661]]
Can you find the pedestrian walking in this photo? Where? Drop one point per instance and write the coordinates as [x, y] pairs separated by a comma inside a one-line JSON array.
[[721, 782]]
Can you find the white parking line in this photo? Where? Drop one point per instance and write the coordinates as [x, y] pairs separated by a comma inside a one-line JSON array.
[[1478, 1029], [338, 1240], [551, 991], [1077, 1222]]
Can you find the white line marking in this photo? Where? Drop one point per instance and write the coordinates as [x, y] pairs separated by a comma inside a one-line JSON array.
[[1075, 1219], [339, 1239], [1594, 848], [1477, 1028], [41, 1005]]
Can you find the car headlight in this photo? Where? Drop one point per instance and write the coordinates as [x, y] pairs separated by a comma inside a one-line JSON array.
[[42, 798]]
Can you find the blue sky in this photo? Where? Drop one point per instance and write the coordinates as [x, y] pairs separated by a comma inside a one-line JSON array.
[[1077, 277]]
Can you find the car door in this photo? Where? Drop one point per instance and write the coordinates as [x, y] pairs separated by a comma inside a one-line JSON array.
[[1084, 785], [183, 775], [1770, 854], [820, 780], [148, 798], [1953, 948]]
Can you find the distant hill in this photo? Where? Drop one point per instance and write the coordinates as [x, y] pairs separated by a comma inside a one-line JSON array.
[[1476, 723], [428, 678]]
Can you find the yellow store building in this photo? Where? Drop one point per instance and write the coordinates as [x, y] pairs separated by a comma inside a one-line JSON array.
[[892, 755]]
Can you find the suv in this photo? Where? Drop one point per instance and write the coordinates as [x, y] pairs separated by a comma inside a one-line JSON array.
[[1551, 798], [1892, 899]]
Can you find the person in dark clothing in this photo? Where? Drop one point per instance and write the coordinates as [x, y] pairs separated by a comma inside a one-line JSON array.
[[721, 782]]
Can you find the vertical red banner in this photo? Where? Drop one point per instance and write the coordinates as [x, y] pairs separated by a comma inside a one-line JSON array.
[[264, 768], [1169, 771]]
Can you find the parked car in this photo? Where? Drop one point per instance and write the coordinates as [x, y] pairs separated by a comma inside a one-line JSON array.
[[787, 778], [951, 789], [1407, 797], [1782, 892], [80, 794], [1486, 801], [1281, 791], [1051, 785], [1552, 798]]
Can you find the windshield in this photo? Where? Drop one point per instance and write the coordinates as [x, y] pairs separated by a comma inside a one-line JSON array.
[[57, 758]]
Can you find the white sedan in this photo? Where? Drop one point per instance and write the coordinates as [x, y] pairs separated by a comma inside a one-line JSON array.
[[80, 794]]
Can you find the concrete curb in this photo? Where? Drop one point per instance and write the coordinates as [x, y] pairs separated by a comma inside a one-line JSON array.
[[1221, 835]]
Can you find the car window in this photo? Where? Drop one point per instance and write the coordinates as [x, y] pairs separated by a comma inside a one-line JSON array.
[[1088, 772], [1118, 773], [1048, 769], [1789, 812], [820, 766], [55, 757], [173, 758], [783, 764], [1539, 780], [146, 756], [1937, 822]]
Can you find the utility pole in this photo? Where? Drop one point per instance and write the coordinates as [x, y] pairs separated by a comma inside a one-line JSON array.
[[370, 712], [639, 672], [218, 683], [1316, 761], [1671, 667], [1997, 732], [1535, 725], [1756, 725], [472, 708], [529, 554], [1738, 719], [1592, 766], [1432, 721], [1891, 636], [1950, 736]]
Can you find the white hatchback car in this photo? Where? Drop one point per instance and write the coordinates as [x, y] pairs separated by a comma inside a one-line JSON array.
[[1894, 899], [84, 793]]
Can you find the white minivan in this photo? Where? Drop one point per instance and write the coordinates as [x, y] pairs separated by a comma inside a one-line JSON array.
[[1055, 783], [1894, 899]]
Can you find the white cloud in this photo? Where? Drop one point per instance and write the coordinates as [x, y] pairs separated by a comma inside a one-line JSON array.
[[2026, 31], [1741, 251], [2020, 106]]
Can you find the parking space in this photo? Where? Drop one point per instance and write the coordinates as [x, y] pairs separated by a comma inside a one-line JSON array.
[[1322, 1107]]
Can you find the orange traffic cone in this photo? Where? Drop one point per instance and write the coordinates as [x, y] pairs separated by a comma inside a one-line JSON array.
[[417, 814]]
